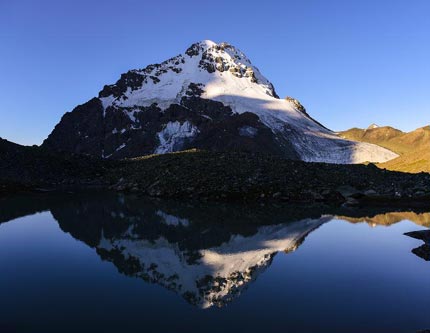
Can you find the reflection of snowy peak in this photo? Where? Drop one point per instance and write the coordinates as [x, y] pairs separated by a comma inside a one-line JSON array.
[[209, 97], [205, 277]]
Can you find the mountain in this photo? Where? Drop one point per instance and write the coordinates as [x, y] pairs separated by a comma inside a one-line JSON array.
[[210, 97], [372, 126], [413, 147]]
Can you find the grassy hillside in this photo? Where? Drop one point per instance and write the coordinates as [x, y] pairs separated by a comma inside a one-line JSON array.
[[417, 160], [413, 147]]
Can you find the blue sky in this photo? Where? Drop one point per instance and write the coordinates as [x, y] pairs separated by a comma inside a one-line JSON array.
[[350, 63]]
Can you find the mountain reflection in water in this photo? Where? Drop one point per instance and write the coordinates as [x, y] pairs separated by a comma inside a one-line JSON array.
[[207, 253]]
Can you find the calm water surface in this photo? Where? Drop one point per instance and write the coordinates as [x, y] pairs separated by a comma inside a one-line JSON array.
[[108, 263]]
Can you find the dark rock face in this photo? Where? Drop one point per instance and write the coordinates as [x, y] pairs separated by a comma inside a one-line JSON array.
[[193, 50], [241, 132], [130, 79], [131, 132], [302, 109], [79, 131], [422, 251], [423, 235]]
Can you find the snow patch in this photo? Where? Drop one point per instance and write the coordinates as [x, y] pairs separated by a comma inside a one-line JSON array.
[[172, 220], [120, 147], [173, 136], [131, 114], [248, 131], [106, 102]]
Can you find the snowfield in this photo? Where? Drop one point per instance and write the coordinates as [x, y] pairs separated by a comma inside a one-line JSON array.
[[173, 135]]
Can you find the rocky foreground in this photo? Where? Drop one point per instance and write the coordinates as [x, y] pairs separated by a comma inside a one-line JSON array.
[[245, 176], [210, 176]]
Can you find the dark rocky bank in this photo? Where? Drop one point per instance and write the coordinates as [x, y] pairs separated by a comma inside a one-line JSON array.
[[422, 251], [218, 176]]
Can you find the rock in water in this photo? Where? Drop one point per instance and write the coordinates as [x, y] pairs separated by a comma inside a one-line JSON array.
[[424, 235], [422, 251]]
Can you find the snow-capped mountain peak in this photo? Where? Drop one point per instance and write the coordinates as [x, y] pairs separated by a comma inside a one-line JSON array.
[[372, 126], [221, 69], [209, 97]]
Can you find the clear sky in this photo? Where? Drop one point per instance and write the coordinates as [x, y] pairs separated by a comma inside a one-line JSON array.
[[350, 62]]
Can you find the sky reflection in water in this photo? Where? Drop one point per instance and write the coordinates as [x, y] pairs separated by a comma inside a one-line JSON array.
[[124, 263]]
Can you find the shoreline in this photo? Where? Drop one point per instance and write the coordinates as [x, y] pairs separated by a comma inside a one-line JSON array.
[[363, 201], [216, 176]]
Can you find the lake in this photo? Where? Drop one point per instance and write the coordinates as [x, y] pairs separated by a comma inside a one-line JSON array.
[[122, 263]]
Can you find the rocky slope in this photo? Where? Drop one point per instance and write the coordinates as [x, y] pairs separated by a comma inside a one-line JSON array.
[[203, 175], [24, 167], [245, 176], [413, 147], [210, 97]]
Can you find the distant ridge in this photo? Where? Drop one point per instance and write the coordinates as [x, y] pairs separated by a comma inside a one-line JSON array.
[[372, 126], [413, 147]]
